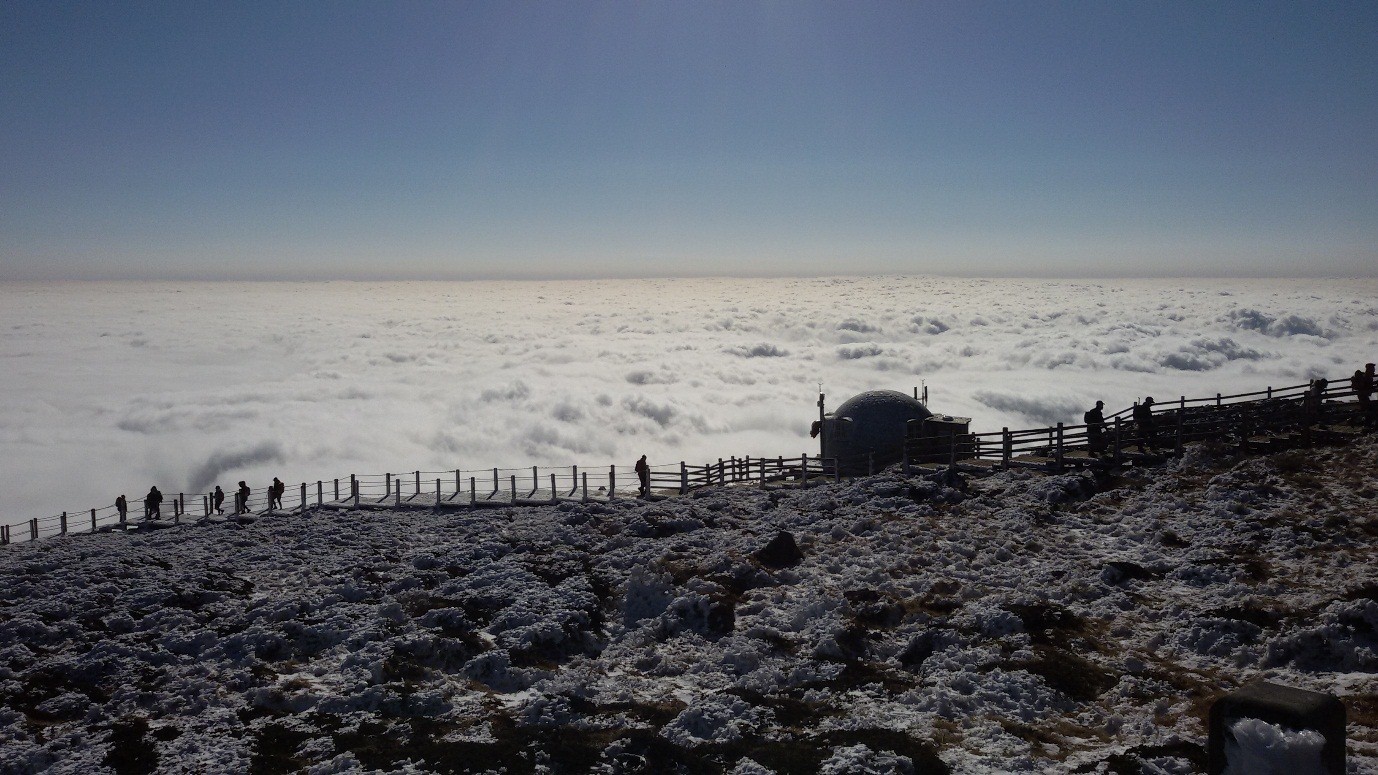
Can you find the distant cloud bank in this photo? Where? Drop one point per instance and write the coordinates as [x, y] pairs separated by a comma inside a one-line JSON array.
[[113, 387]]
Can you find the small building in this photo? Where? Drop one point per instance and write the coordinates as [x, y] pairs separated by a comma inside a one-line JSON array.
[[869, 431]]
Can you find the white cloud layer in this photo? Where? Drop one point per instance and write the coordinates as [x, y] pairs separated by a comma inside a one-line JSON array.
[[110, 388]]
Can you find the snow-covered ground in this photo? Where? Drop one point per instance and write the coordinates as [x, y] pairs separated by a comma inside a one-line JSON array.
[[1033, 623], [108, 388]]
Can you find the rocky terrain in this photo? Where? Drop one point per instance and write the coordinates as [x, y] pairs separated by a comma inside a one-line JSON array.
[[1019, 623]]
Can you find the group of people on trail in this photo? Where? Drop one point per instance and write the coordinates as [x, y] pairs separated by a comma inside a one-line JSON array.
[[153, 501], [1143, 420], [1313, 402]]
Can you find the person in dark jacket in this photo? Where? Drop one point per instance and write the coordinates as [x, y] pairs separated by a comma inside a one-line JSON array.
[[1147, 427], [1095, 428], [218, 500], [1362, 385], [275, 494], [122, 506], [241, 498], [153, 503], [643, 475]]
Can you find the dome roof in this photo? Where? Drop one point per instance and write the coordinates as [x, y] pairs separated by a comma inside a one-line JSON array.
[[883, 407]]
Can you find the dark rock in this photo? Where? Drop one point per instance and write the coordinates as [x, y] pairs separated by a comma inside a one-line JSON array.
[[781, 552], [1117, 571]]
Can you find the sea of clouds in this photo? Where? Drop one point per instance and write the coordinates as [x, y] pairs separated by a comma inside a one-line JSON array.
[[108, 388]]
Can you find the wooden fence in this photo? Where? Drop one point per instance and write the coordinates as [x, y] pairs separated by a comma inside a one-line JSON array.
[[1262, 419]]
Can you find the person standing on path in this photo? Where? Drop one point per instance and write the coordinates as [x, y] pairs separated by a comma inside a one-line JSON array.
[[1147, 426], [1095, 427], [241, 498], [122, 506], [218, 500], [275, 494], [152, 504], [1362, 385], [643, 474]]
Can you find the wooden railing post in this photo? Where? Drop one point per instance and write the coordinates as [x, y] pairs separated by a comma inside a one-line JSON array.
[[683, 477], [33, 529], [303, 497], [93, 520], [1057, 454], [513, 481], [418, 483], [586, 487], [354, 489], [612, 482], [554, 494], [320, 493], [64, 523], [1007, 447], [458, 488], [397, 494], [473, 491], [387, 485], [437, 493]]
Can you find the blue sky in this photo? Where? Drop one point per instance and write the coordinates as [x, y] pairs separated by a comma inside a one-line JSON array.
[[467, 140]]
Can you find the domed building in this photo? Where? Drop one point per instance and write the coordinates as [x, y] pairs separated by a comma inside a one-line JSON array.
[[869, 430]]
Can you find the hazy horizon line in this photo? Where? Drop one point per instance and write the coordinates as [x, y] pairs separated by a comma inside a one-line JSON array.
[[560, 277]]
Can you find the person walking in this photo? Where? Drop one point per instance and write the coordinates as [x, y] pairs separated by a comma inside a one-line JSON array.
[[1095, 429], [275, 494], [643, 475], [218, 500], [1145, 424], [122, 506], [241, 498]]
